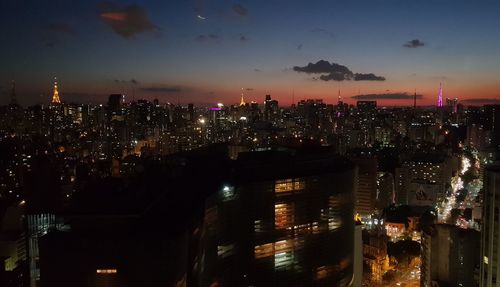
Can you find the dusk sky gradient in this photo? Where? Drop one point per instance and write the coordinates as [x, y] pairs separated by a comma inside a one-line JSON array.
[[205, 51]]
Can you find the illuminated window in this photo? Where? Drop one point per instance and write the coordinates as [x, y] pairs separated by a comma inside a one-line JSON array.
[[106, 271], [289, 185], [283, 254], [283, 215], [264, 250], [224, 251], [283, 260], [334, 211]]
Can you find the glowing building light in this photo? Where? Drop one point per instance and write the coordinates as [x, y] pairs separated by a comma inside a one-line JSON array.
[[106, 271], [55, 96], [440, 96]]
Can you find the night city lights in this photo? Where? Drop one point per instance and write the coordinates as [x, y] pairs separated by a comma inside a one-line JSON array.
[[216, 143]]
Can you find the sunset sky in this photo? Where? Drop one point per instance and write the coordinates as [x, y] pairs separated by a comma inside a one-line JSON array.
[[207, 51]]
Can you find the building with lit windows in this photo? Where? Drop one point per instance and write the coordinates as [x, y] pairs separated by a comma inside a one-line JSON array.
[[490, 229], [366, 186], [271, 218], [281, 219], [423, 180]]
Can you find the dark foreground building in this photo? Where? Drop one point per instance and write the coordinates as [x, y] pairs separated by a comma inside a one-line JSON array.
[[281, 220], [274, 218]]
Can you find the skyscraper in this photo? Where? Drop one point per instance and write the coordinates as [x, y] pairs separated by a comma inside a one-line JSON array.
[[449, 256], [282, 220], [366, 186], [490, 230], [492, 126], [115, 103]]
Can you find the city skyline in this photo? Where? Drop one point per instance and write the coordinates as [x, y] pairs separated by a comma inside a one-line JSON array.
[[205, 52], [247, 143]]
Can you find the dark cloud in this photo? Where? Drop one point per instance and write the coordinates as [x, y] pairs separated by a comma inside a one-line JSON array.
[[299, 47], [335, 76], [322, 67], [243, 38], [335, 72], [166, 89], [257, 70], [240, 10], [367, 77], [482, 101], [415, 43], [386, 96], [129, 21], [323, 31], [61, 27]]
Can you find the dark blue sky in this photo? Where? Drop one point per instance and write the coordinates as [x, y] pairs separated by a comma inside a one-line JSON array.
[[206, 51]]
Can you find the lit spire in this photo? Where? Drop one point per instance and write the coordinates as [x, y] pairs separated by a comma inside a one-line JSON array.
[[440, 96], [242, 101], [55, 97]]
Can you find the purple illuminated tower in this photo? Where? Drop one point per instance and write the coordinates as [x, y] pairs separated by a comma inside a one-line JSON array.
[[440, 96]]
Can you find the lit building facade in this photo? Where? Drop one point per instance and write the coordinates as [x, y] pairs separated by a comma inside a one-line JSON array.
[[282, 221], [415, 177], [366, 186]]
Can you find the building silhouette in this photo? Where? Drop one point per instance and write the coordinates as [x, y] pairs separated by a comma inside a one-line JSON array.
[[490, 232]]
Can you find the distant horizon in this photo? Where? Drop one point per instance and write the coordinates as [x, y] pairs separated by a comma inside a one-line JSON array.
[[206, 51], [350, 101]]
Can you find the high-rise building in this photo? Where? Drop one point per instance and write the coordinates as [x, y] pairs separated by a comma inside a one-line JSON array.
[[423, 179], [366, 186], [490, 229], [492, 125], [115, 102], [385, 190], [449, 256], [270, 108], [274, 222], [273, 218], [358, 255]]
